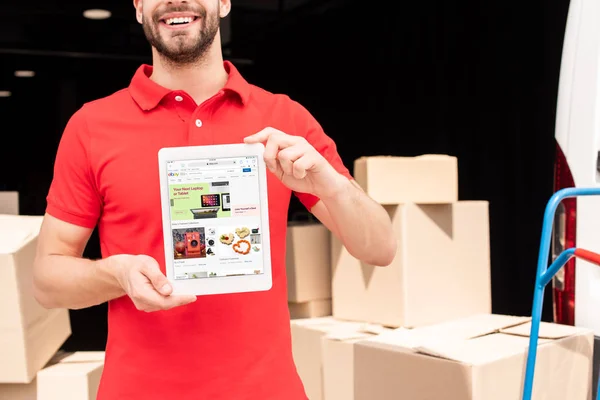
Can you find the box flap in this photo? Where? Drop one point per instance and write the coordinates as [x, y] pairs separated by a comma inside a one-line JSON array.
[[357, 332], [77, 364], [313, 321], [547, 330], [343, 335], [17, 230], [84, 357], [400, 338], [469, 327], [375, 329], [448, 332], [326, 324], [480, 350], [504, 342]]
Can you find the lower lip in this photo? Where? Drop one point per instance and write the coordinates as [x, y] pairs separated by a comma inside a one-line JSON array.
[[178, 27]]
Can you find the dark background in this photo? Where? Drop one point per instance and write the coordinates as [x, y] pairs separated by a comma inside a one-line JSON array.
[[474, 79]]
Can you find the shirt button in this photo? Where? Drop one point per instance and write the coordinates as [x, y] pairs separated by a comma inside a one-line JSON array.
[[178, 98], [198, 123]]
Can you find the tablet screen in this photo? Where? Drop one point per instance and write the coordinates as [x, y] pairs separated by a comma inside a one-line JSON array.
[[215, 217]]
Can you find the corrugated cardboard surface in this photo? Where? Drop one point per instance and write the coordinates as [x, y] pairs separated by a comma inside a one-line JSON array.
[[307, 349], [18, 391], [441, 271], [338, 361], [29, 334], [427, 179], [76, 377], [308, 254], [457, 361], [310, 309], [27, 391]]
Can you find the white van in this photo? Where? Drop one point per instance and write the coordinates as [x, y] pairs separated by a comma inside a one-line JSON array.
[[576, 288]]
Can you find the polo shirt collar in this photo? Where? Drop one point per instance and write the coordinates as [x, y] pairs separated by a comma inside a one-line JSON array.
[[148, 94]]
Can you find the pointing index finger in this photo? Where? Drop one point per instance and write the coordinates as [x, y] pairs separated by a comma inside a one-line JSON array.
[[259, 137]]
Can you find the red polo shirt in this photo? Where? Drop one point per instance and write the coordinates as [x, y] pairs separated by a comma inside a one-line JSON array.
[[106, 173]]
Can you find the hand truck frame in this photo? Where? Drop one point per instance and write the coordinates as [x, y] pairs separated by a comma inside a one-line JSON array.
[[545, 274]]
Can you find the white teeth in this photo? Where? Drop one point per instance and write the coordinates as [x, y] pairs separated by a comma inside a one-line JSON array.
[[179, 20]]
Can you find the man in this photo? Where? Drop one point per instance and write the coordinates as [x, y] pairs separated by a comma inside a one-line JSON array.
[[162, 346]]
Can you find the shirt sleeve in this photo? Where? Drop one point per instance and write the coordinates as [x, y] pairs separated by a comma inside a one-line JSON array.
[[73, 196], [308, 127]]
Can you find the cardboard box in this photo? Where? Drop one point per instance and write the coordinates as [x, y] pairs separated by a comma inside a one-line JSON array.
[[477, 358], [426, 179], [30, 335], [308, 254], [26, 391], [310, 309], [441, 270], [76, 377], [9, 203], [307, 351], [338, 360], [18, 391]]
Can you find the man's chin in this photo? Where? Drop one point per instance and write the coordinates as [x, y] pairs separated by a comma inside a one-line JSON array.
[[179, 55], [176, 44]]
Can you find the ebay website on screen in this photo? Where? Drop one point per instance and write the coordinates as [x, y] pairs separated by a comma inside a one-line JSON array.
[[215, 217]]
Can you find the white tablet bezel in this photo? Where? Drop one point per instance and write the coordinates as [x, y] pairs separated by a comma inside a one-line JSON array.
[[225, 284]]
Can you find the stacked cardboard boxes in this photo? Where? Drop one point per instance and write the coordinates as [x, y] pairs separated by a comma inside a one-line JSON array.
[[323, 351], [30, 335], [481, 357], [442, 266], [67, 376], [423, 326], [74, 377], [308, 270]]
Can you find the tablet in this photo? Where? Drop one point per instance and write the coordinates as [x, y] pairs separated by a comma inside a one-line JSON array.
[[215, 218]]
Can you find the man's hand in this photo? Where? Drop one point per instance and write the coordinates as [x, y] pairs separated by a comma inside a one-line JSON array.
[[297, 163], [145, 284]]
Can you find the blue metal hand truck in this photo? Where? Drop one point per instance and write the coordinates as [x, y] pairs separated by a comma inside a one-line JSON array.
[[545, 275]]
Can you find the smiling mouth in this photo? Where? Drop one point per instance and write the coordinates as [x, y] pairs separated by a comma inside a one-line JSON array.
[[179, 21]]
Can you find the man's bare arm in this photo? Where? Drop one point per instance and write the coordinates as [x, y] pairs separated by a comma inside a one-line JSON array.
[[363, 226], [63, 279]]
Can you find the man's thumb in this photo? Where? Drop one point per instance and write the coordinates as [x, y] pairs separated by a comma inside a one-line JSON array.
[[158, 280]]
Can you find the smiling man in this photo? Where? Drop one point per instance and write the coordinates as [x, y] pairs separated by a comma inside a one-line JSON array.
[[162, 346], [180, 45]]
